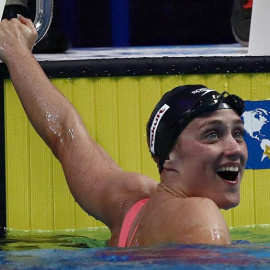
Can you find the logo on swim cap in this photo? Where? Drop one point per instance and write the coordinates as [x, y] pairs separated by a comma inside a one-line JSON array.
[[154, 126], [204, 91]]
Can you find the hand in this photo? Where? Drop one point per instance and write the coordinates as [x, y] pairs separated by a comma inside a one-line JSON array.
[[16, 37]]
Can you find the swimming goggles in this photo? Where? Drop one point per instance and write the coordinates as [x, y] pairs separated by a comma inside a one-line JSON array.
[[211, 102]]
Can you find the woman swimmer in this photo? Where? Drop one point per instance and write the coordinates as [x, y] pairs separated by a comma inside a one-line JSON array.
[[195, 136]]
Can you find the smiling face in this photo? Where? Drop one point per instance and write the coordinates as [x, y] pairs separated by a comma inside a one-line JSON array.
[[209, 158]]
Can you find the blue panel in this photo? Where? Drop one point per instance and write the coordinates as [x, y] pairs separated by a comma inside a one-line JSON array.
[[66, 11], [256, 121], [120, 23]]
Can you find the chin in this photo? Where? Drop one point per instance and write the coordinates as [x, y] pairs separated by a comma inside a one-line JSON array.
[[228, 204]]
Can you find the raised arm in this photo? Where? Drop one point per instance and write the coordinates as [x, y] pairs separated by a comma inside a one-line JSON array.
[[95, 180]]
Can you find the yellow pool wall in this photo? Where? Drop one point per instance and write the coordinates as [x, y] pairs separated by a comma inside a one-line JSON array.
[[115, 111]]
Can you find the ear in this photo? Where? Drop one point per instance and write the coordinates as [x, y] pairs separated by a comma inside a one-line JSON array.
[[170, 161]]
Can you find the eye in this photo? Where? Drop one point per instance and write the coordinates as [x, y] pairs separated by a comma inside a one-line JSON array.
[[213, 135], [239, 135]]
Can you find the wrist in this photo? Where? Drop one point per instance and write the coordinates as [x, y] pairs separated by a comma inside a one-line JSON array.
[[16, 56]]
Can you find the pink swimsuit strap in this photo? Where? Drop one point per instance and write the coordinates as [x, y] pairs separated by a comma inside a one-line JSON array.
[[129, 218]]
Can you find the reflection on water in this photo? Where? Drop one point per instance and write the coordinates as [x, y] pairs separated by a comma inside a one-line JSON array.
[[256, 235], [66, 240], [94, 238], [86, 250], [158, 258]]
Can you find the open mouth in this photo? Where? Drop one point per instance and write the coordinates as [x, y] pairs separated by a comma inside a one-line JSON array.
[[228, 173]]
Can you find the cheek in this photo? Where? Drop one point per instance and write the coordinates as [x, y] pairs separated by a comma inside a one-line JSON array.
[[198, 153], [197, 160]]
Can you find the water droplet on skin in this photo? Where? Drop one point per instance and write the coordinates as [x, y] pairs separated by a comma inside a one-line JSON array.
[[71, 132], [52, 129], [121, 204], [3, 46], [38, 99], [60, 137], [51, 117]]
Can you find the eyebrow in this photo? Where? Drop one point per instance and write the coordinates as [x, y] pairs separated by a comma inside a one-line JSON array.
[[220, 122]]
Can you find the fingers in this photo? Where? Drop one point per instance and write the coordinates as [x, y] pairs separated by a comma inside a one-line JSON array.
[[22, 19], [26, 21], [18, 32], [28, 25]]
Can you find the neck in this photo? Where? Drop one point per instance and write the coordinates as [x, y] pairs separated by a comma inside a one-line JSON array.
[[166, 188]]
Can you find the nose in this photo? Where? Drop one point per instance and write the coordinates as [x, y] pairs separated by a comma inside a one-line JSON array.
[[234, 148]]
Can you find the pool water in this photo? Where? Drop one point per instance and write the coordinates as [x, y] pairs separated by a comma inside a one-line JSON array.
[[86, 249], [16, 240]]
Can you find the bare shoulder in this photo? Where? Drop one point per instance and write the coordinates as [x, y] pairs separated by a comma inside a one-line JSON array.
[[118, 194], [202, 204], [139, 182], [191, 221], [204, 222], [97, 182], [127, 188]]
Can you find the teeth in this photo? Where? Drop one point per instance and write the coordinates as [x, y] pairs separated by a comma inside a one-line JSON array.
[[228, 169]]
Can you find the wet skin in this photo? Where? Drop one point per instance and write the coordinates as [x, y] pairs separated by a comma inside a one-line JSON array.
[[209, 158], [203, 172]]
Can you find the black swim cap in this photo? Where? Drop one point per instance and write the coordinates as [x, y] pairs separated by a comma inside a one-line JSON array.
[[176, 109]]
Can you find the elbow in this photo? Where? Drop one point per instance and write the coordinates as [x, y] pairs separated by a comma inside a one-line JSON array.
[[59, 140], [59, 132], [54, 142], [53, 135]]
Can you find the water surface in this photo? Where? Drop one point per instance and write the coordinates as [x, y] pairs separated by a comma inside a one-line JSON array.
[[87, 250]]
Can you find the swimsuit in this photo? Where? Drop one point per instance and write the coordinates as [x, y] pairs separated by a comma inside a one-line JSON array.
[[128, 221]]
